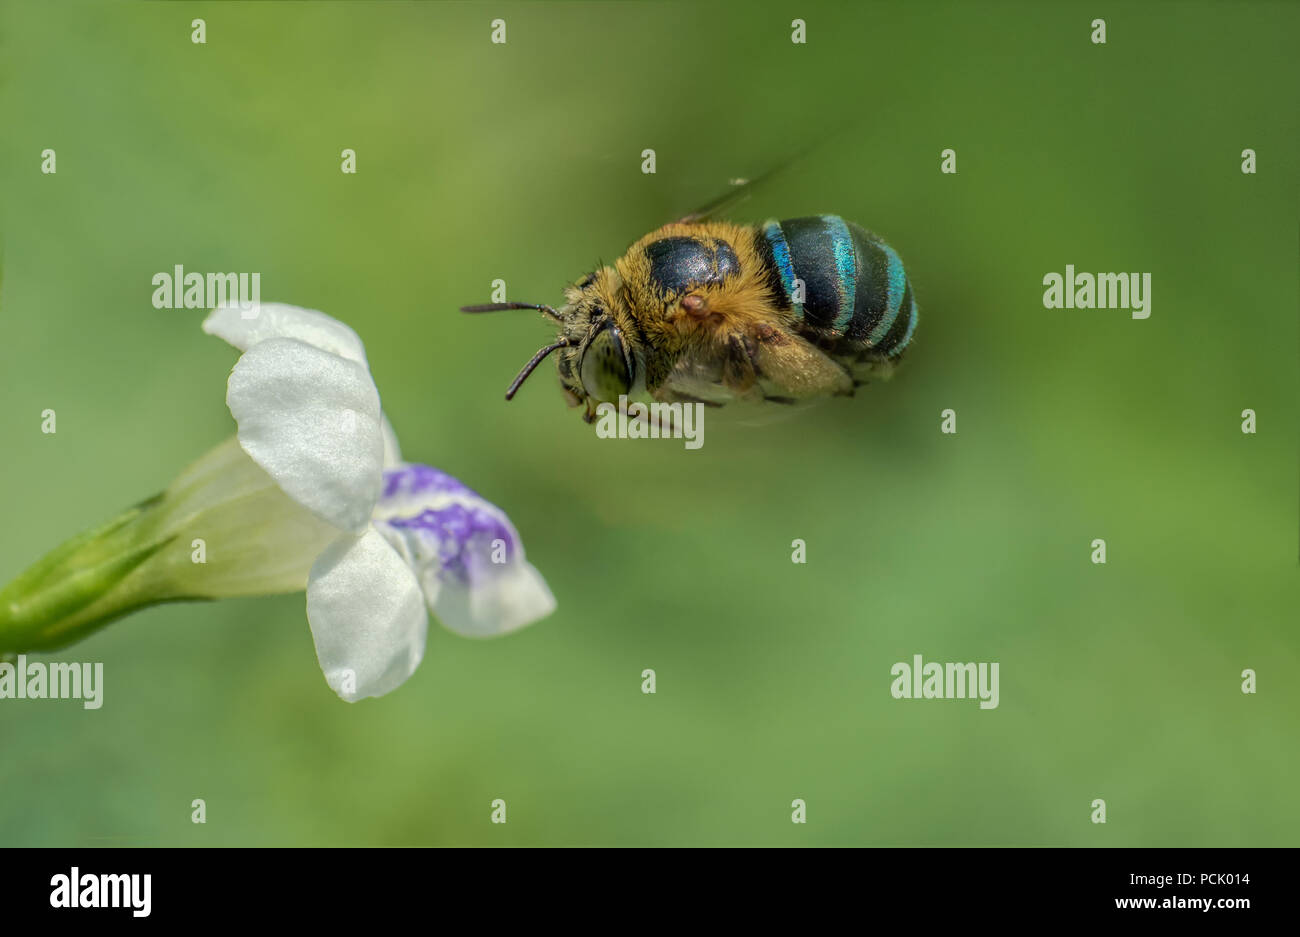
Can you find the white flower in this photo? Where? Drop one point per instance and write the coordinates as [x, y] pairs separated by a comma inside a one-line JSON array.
[[377, 539], [311, 494]]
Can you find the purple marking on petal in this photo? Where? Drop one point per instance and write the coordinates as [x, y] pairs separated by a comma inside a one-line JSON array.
[[420, 479], [463, 537], [443, 527]]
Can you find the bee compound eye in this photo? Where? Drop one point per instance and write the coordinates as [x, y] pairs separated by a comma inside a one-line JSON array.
[[604, 369]]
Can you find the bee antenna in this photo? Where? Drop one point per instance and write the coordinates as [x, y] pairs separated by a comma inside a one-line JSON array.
[[501, 307], [532, 366]]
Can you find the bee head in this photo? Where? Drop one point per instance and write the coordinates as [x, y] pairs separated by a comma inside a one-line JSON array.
[[602, 360], [598, 359]]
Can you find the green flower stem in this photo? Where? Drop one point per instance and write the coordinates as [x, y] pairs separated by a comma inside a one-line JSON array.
[[83, 584], [222, 528]]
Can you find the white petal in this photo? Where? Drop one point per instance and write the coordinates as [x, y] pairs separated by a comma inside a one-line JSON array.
[[392, 450], [244, 327], [367, 617], [311, 419], [514, 597]]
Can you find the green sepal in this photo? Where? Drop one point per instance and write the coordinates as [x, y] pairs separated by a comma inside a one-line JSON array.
[[81, 585]]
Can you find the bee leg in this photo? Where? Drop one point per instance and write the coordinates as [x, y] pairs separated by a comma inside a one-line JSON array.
[[870, 369], [738, 371], [797, 367], [667, 428], [676, 396]]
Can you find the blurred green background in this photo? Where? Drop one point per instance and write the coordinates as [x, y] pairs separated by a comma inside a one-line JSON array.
[[522, 161]]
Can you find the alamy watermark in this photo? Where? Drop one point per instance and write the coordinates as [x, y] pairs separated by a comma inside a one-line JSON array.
[[1098, 291], [55, 680], [76, 890], [934, 680], [638, 420], [180, 290]]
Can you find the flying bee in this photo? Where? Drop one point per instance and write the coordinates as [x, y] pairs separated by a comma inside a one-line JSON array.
[[712, 312]]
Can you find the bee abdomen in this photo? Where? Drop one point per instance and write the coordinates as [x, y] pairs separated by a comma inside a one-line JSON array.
[[853, 282]]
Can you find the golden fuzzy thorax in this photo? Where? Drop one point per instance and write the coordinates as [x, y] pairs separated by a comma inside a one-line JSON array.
[[702, 320]]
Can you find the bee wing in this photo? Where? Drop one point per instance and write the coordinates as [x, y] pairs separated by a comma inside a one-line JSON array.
[[768, 414], [753, 410], [741, 189], [696, 381], [780, 368]]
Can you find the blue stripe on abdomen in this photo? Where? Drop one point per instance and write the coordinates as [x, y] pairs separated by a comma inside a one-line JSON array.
[[781, 258], [846, 267], [882, 288], [813, 261], [893, 342], [854, 283], [895, 284]]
